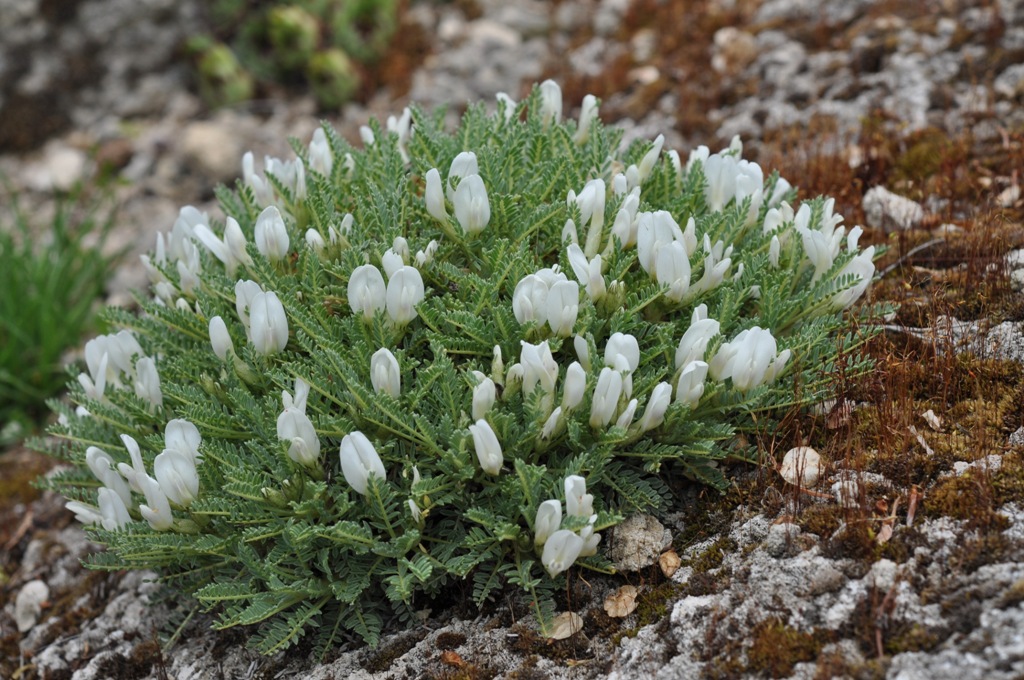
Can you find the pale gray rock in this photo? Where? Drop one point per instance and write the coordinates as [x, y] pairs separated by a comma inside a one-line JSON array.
[[638, 542], [889, 211]]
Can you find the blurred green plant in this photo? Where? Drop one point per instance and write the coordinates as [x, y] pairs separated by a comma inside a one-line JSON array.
[[321, 44], [51, 279]]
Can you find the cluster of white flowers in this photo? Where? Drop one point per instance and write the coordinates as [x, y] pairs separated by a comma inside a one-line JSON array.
[[118, 362], [560, 548], [175, 480]]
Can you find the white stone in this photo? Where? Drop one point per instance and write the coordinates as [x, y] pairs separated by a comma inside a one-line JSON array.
[[29, 604], [890, 211]]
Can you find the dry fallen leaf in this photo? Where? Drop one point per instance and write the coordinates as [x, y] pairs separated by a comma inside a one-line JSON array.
[[621, 603], [450, 658], [565, 625], [933, 420], [669, 563], [801, 466]]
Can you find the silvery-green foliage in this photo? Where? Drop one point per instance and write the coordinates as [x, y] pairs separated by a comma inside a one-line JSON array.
[[390, 368]]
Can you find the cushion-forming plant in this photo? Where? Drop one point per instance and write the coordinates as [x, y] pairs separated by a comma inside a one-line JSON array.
[[446, 355]]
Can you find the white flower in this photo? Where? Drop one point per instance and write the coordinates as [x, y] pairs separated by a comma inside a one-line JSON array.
[[550, 102], [549, 518], [485, 392], [102, 466], [672, 269], [782, 187], [750, 359], [552, 424], [86, 514], [863, 268], [588, 114], [359, 460], [220, 339], [157, 510], [695, 340], [183, 437], [774, 251], [590, 539], [625, 418], [575, 386], [147, 382], [591, 202], [113, 510], [177, 475], [578, 503], [385, 374], [405, 291], [271, 236], [366, 134], [488, 449], [366, 291], [606, 397], [538, 367], [588, 272], [560, 551], [563, 307], [402, 127], [651, 158], [231, 250], [315, 241], [320, 157], [627, 346], [657, 404], [268, 323], [295, 427], [426, 256], [720, 175], [689, 389], [529, 300], [245, 293], [579, 343], [463, 165], [506, 106], [261, 188], [472, 208], [391, 262], [653, 232], [433, 195]]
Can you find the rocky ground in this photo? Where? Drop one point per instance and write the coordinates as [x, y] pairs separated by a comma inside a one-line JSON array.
[[905, 561]]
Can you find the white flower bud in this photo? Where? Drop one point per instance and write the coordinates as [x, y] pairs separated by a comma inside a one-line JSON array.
[[575, 386], [579, 343], [433, 195], [359, 460], [550, 103], [271, 236], [147, 382], [484, 395], [625, 418], [552, 424], [385, 374], [488, 449], [695, 341], [588, 114], [268, 323], [220, 339], [315, 241], [320, 157], [391, 262], [657, 404], [606, 397], [627, 346], [649, 160]]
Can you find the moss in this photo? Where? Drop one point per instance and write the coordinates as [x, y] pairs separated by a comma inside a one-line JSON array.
[[382, 658], [776, 648]]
